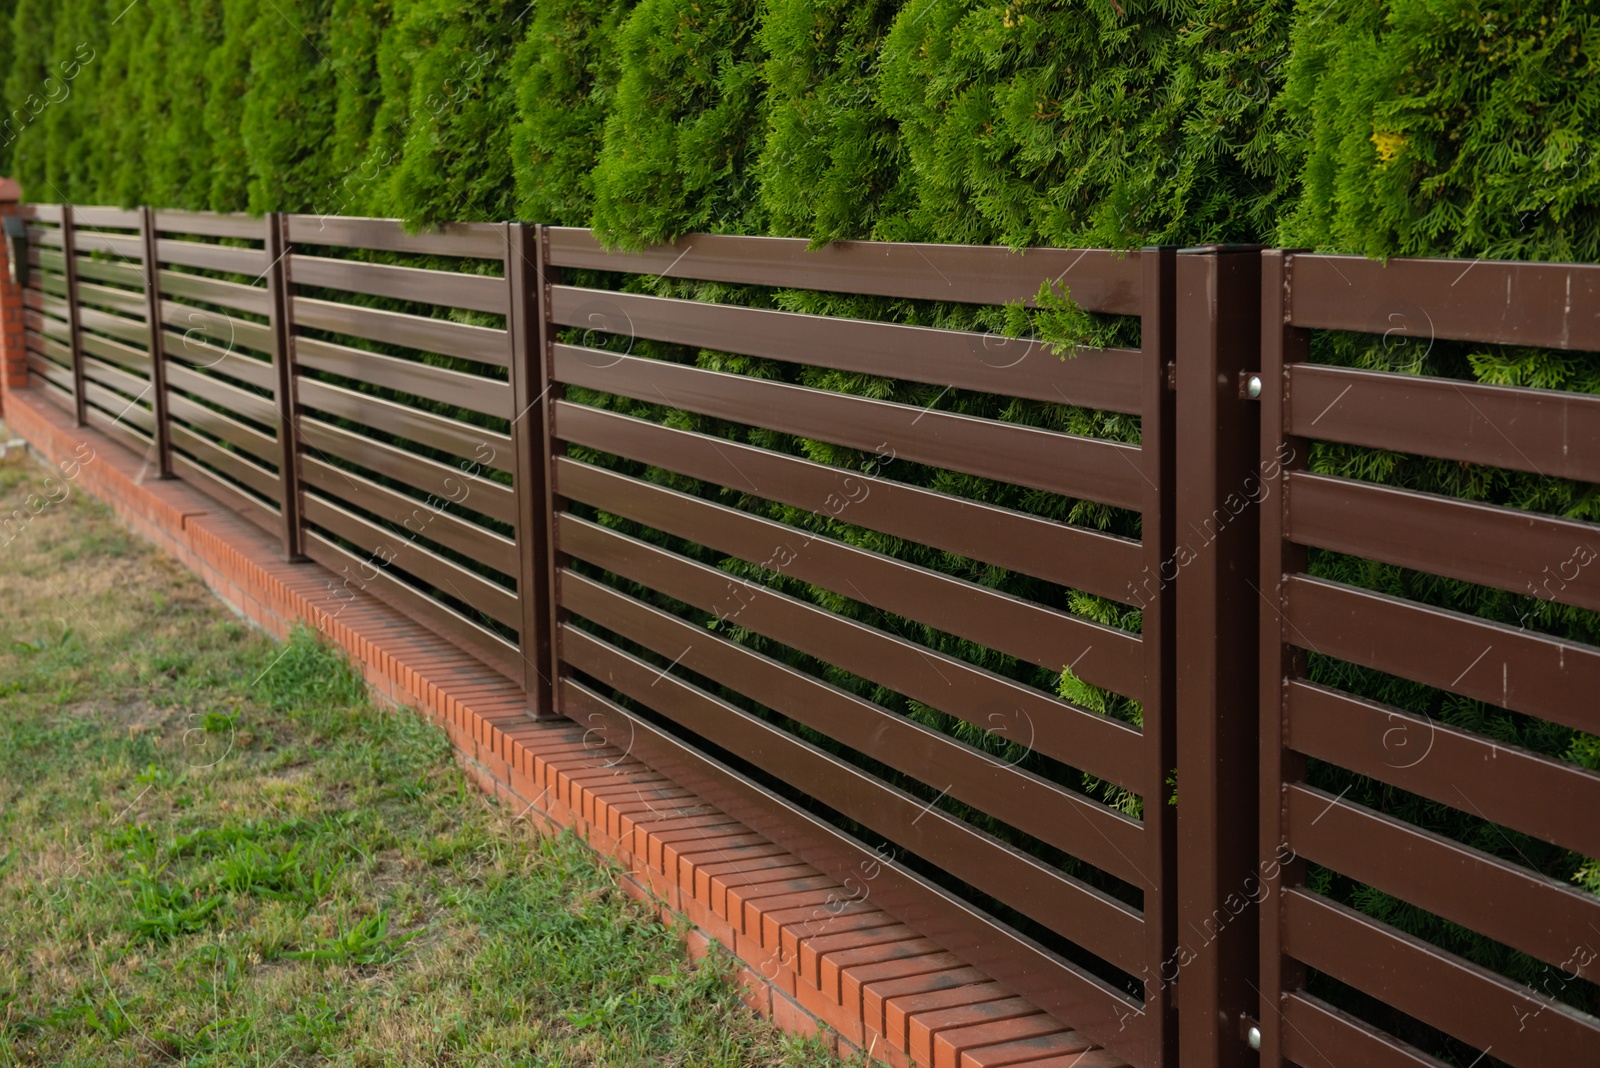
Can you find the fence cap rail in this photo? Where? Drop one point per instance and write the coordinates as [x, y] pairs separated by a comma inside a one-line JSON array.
[[1099, 280], [1550, 305]]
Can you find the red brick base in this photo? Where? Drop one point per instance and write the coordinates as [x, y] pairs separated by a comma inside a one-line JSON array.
[[855, 976]]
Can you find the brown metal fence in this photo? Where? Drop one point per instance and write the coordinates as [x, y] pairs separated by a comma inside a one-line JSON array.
[[682, 499], [1395, 985]]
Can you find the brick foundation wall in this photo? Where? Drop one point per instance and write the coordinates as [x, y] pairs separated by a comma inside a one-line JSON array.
[[814, 959]]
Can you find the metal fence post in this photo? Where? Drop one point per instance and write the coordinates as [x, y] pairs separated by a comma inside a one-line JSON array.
[[1157, 341], [281, 315], [158, 363], [1218, 514], [69, 257], [1281, 344], [530, 433]]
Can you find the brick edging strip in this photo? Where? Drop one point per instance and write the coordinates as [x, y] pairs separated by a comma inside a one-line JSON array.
[[810, 955]]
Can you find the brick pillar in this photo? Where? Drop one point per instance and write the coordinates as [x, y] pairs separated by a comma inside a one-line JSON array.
[[13, 353]]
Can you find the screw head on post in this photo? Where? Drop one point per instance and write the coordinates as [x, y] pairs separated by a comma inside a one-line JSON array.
[[1252, 387], [1253, 1036]]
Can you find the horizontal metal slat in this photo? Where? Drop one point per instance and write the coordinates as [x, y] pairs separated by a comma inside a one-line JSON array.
[[49, 237], [248, 439], [235, 465], [127, 246], [447, 338], [49, 346], [357, 574], [53, 393], [1055, 985], [225, 331], [1541, 431], [225, 258], [133, 359], [478, 292], [1109, 379], [55, 374], [1501, 547], [120, 273], [1098, 280], [52, 305], [134, 333], [124, 218], [1100, 924], [227, 494], [1038, 635], [115, 378], [1528, 791], [1104, 471], [210, 224], [130, 413], [487, 396], [493, 499], [470, 588], [123, 301], [240, 402], [1316, 1033], [43, 212], [115, 424], [1505, 666], [47, 325], [1074, 556], [1101, 746], [234, 363], [1529, 1030], [474, 240], [416, 516], [1069, 821], [235, 295], [1548, 305], [1509, 904], [486, 447]]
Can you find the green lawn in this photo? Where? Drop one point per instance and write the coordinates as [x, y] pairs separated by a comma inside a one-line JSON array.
[[213, 850]]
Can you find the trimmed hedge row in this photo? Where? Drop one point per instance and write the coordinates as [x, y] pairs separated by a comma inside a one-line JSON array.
[[1392, 128]]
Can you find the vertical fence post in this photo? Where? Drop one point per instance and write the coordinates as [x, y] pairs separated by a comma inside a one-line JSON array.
[[1281, 345], [1218, 489], [69, 259], [1157, 454], [530, 432], [158, 362], [280, 313]]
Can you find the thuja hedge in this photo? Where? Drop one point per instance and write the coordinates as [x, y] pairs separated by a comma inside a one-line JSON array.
[[1382, 127], [1396, 127]]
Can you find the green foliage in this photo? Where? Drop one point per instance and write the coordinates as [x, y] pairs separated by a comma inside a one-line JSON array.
[[1446, 127], [565, 70], [355, 33], [288, 108], [1082, 124], [832, 162], [228, 78], [183, 37], [680, 138], [450, 144]]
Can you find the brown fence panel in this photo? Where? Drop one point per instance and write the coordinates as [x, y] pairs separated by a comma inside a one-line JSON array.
[[1339, 985], [49, 312], [404, 409], [216, 336], [103, 257], [664, 649]]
